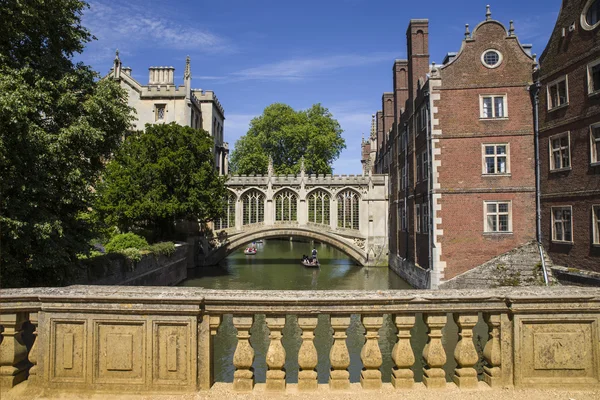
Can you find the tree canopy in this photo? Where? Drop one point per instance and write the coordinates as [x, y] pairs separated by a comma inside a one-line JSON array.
[[57, 126], [288, 135], [164, 174]]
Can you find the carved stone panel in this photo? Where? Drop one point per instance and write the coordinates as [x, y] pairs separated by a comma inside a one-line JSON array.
[[120, 352], [171, 357], [554, 352], [68, 351]]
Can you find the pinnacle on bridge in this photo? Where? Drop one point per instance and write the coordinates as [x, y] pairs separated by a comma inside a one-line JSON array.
[[270, 169], [488, 13]]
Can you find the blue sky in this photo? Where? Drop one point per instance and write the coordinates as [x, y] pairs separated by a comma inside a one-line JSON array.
[[253, 53]]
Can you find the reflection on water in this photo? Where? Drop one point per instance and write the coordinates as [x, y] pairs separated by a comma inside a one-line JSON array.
[[277, 266]]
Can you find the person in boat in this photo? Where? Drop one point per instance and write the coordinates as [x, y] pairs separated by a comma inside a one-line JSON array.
[[314, 254]]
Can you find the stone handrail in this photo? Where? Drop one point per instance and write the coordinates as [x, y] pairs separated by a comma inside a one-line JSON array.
[[160, 339]]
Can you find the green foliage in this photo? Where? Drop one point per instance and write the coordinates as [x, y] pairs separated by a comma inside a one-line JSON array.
[[58, 125], [132, 254], [288, 135], [162, 249], [126, 241], [159, 176]]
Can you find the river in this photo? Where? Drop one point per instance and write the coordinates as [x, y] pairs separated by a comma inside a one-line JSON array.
[[277, 266]]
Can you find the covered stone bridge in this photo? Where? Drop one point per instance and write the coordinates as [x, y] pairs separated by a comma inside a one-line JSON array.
[[348, 212]]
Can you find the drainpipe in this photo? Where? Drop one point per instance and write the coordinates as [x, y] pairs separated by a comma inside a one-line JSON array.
[[534, 91]]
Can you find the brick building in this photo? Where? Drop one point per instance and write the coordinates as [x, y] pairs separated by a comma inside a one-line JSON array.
[[569, 135], [473, 117]]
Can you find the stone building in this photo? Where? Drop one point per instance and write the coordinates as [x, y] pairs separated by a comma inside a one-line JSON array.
[[569, 136], [161, 101], [450, 219]]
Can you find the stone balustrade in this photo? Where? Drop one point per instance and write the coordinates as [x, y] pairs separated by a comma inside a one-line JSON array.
[[151, 339]]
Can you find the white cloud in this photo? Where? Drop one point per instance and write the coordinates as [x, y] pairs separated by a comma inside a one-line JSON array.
[[134, 25], [236, 126], [295, 69]]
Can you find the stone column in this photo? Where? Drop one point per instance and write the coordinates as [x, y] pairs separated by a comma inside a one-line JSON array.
[[333, 216], [13, 352], [34, 352], [339, 377], [276, 354], [207, 330], [434, 353], [465, 353], [302, 211], [243, 377], [402, 353], [239, 214], [492, 372], [370, 355], [307, 355]]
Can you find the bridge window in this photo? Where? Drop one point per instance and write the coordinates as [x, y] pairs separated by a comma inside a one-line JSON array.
[[318, 207], [348, 209], [254, 207], [286, 206], [228, 221]]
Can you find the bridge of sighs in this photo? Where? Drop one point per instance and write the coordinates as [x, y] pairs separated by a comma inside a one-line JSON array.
[[349, 212]]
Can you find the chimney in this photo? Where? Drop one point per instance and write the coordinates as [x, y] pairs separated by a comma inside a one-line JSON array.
[[417, 39], [161, 76], [400, 87], [387, 105]]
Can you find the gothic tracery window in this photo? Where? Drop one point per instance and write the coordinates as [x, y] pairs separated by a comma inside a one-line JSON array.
[[228, 221], [348, 207], [318, 207], [253, 207], [286, 206]]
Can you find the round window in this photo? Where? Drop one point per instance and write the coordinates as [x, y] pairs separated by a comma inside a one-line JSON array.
[[491, 58], [590, 18]]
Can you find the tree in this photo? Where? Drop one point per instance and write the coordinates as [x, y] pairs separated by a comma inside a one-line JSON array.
[[57, 126], [164, 174], [288, 135]]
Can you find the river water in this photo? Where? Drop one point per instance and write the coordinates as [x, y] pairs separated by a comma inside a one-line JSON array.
[[277, 266]]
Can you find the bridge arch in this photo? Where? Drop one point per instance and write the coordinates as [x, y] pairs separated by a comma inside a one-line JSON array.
[[271, 232]]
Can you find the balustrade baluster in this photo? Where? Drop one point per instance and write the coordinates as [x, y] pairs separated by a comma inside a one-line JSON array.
[[33, 353], [402, 353], [370, 355], [434, 353], [307, 355], [13, 352], [465, 353], [243, 377], [275, 355], [492, 373], [339, 377]]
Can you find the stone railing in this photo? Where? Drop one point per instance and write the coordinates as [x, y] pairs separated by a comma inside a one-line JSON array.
[[148, 340]]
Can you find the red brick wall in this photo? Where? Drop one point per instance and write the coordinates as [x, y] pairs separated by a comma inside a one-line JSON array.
[[579, 186]]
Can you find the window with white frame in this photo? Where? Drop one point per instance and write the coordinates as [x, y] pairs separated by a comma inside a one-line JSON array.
[[401, 175], [418, 217], [562, 224], [596, 223], [595, 143], [425, 218], [498, 216], [492, 106], [159, 112], [590, 17], [593, 72], [418, 168], [495, 159], [425, 165], [558, 93], [560, 151]]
